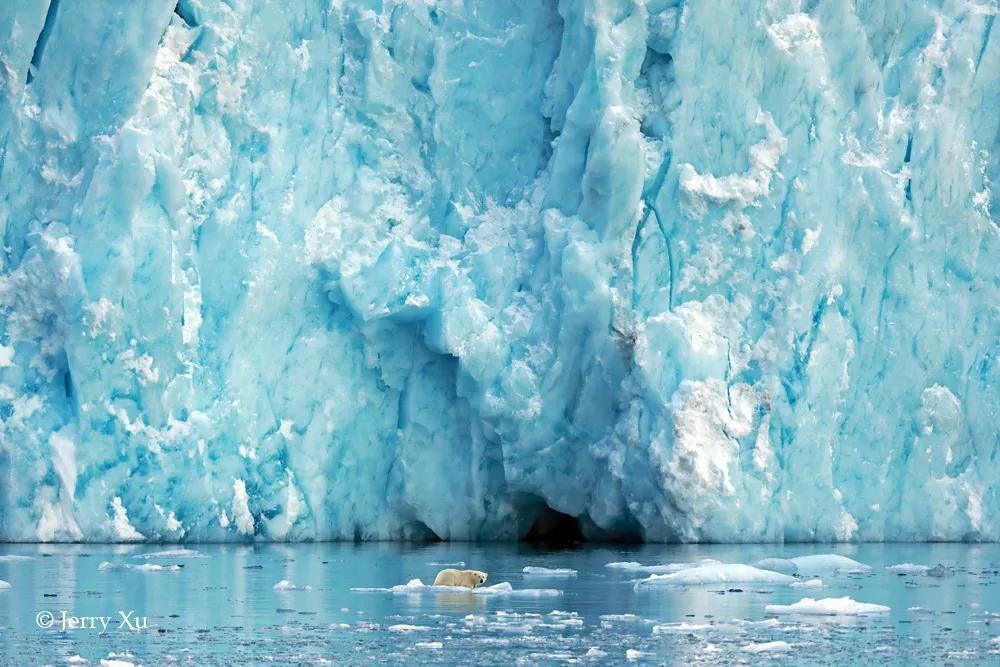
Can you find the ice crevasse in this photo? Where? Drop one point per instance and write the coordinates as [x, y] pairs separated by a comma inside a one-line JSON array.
[[382, 269]]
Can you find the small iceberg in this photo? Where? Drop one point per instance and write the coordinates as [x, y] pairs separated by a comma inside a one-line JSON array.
[[144, 567], [680, 628], [286, 585], [808, 583], [116, 661], [549, 571], [820, 563], [406, 627], [634, 655], [716, 573], [767, 647], [666, 568], [940, 570], [504, 589], [4, 585], [827, 607], [171, 553], [782, 565], [908, 568], [13, 558]]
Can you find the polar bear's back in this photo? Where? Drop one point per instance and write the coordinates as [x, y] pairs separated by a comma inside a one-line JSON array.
[[464, 578]]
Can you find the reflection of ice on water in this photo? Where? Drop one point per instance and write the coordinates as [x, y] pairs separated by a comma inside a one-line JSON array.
[[595, 616]]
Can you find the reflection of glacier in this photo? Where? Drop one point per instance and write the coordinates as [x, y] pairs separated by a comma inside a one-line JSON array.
[[375, 269]]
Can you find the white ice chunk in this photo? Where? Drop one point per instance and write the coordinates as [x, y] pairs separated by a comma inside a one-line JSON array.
[[716, 573], [844, 606], [908, 568], [107, 566], [767, 647], [171, 553], [286, 585], [549, 572], [821, 563]]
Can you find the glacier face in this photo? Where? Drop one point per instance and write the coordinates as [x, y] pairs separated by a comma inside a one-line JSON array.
[[370, 269]]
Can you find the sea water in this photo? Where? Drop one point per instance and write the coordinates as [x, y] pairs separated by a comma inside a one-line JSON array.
[[314, 604]]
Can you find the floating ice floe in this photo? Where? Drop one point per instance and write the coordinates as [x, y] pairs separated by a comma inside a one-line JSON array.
[[549, 571], [171, 553], [767, 647], [844, 606], [75, 659], [14, 558], [782, 565], [807, 583], [716, 573], [940, 570], [117, 662], [634, 654], [820, 563], [4, 585], [406, 627], [908, 568], [665, 568], [623, 618], [680, 628], [565, 618], [286, 585], [505, 589], [144, 567], [433, 646]]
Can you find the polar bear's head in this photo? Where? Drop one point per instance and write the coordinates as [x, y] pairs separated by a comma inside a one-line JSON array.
[[480, 576]]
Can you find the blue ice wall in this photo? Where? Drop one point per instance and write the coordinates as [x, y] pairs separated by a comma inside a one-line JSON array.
[[370, 269]]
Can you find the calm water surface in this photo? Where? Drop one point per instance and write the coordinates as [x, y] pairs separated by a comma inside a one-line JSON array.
[[222, 608]]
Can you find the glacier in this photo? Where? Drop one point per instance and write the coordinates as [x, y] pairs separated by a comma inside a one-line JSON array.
[[457, 269]]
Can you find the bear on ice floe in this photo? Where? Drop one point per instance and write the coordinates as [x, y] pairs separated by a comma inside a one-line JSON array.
[[465, 578]]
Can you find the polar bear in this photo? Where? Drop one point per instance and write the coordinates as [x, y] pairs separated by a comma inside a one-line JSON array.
[[465, 578]]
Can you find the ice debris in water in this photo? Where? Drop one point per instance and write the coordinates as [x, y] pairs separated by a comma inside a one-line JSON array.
[[107, 566], [807, 583], [171, 553], [550, 571], [679, 628], [13, 558], [286, 585], [633, 655], [940, 570], [4, 585], [908, 568], [844, 606], [406, 627], [767, 647]]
